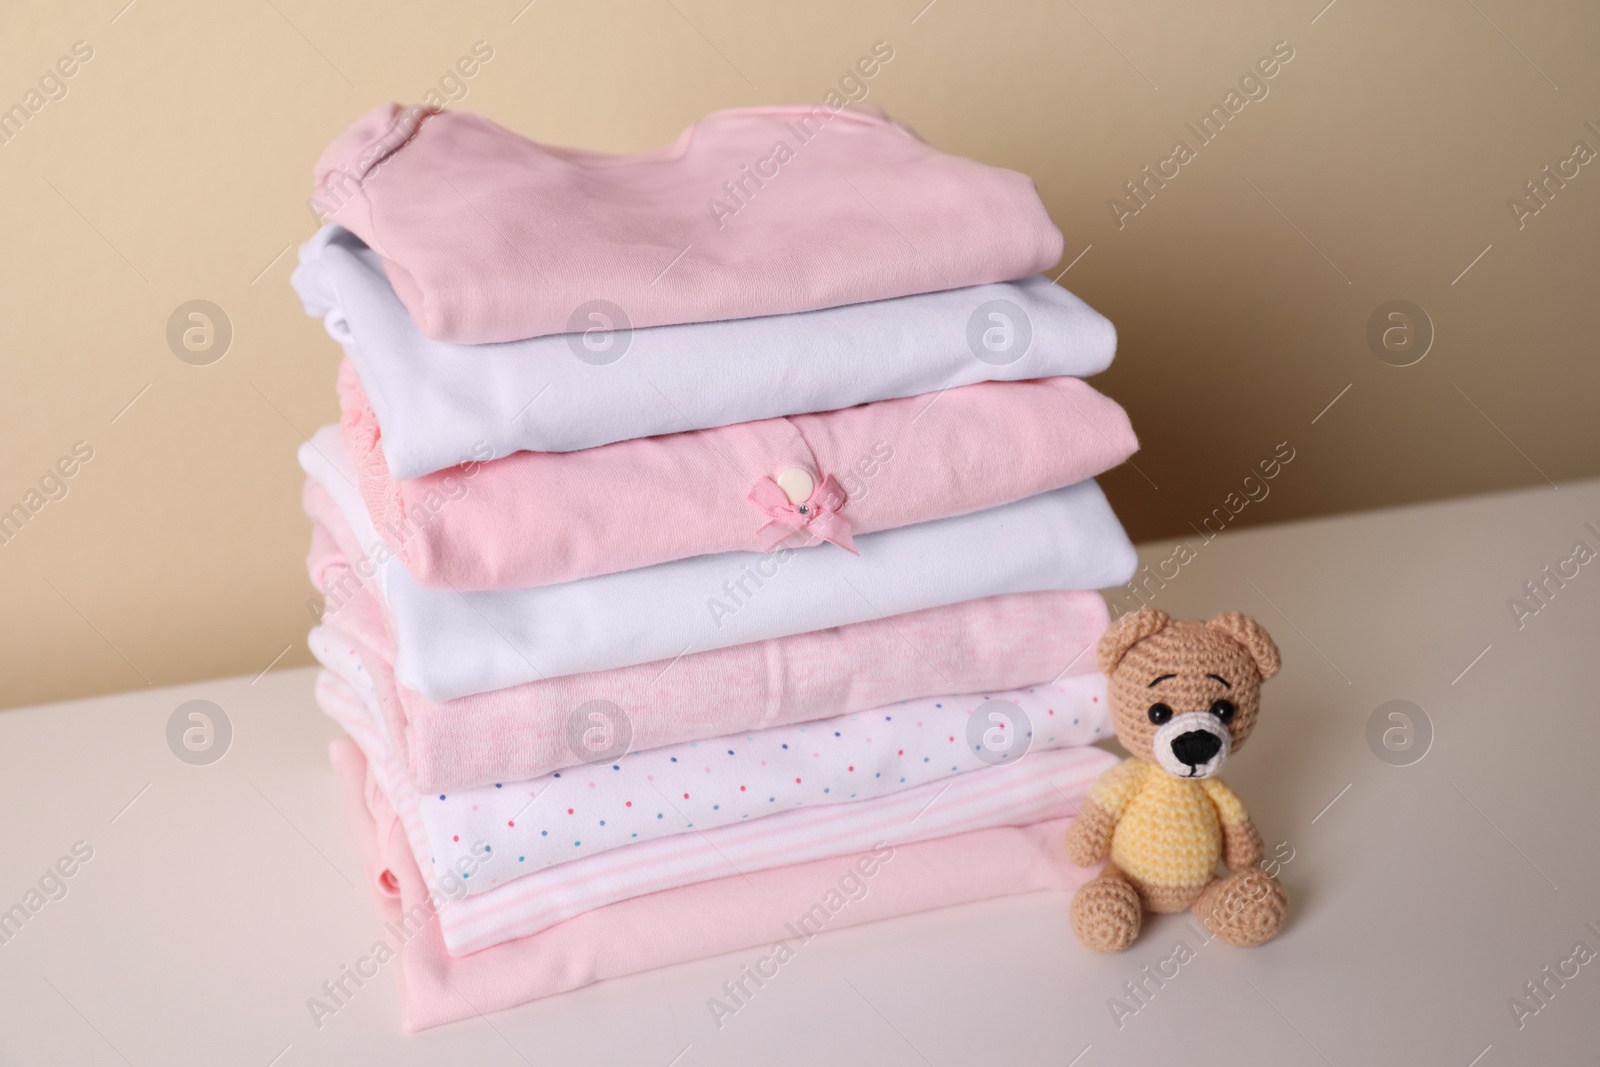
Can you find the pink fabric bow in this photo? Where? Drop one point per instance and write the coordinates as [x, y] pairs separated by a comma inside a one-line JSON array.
[[816, 517]]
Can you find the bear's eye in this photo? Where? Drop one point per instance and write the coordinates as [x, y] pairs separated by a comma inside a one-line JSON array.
[[1160, 713], [1223, 709]]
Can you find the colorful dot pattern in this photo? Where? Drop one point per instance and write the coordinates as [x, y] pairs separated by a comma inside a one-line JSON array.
[[699, 785]]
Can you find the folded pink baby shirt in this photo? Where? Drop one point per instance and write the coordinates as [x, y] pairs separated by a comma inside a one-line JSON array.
[[1045, 785], [488, 236], [728, 914], [626, 798], [452, 643], [538, 518], [997, 643]]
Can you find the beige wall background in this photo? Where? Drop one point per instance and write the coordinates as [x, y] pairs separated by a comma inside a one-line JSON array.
[[1378, 167]]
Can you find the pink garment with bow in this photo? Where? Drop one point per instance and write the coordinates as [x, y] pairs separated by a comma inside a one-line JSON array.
[[538, 518], [1003, 642], [815, 517]]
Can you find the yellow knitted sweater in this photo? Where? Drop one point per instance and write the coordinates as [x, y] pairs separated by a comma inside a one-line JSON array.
[[1168, 830]]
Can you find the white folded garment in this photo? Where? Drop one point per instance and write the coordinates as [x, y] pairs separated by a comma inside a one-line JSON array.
[[453, 644], [571, 815], [436, 401]]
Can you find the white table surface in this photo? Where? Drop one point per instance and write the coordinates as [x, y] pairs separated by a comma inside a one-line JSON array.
[[1422, 896]]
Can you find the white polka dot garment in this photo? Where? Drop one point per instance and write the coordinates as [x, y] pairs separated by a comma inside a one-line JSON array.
[[698, 785]]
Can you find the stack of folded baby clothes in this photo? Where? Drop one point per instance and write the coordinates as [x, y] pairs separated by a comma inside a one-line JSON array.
[[708, 536]]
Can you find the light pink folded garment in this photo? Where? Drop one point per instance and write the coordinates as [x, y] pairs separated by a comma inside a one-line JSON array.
[[1043, 785], [488, 236], [538, 518], [751, 776], [677, 925], [998, 643]]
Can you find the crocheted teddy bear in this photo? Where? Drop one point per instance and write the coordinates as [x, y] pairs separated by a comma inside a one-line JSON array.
[[1184, 696]]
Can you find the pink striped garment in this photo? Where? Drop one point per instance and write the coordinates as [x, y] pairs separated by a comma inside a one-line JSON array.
[[758, 910], [1038, 788], [629, 797]]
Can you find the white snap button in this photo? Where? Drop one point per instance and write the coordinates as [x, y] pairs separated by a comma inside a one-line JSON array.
[[796, 484]]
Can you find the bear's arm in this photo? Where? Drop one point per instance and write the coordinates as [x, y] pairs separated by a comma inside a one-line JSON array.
[[1241, 844], [1089, 840]]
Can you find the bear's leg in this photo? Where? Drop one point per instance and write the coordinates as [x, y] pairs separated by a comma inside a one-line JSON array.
[[1243, 909], [1106, 912]]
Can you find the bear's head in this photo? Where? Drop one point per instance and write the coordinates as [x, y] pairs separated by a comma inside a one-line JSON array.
[[1185, 692]]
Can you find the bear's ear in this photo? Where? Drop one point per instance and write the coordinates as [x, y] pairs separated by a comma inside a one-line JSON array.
[[1248, 632], [1126, 632]]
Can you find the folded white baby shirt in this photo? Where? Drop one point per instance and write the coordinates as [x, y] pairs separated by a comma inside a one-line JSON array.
[[441, 404]]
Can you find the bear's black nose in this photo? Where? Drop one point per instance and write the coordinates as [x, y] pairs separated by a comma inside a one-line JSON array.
[[1196, 747]]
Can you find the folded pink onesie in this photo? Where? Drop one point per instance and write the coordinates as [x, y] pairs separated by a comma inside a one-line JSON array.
[[488, 236], [998, 643], [538, 518], [692, 922]]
